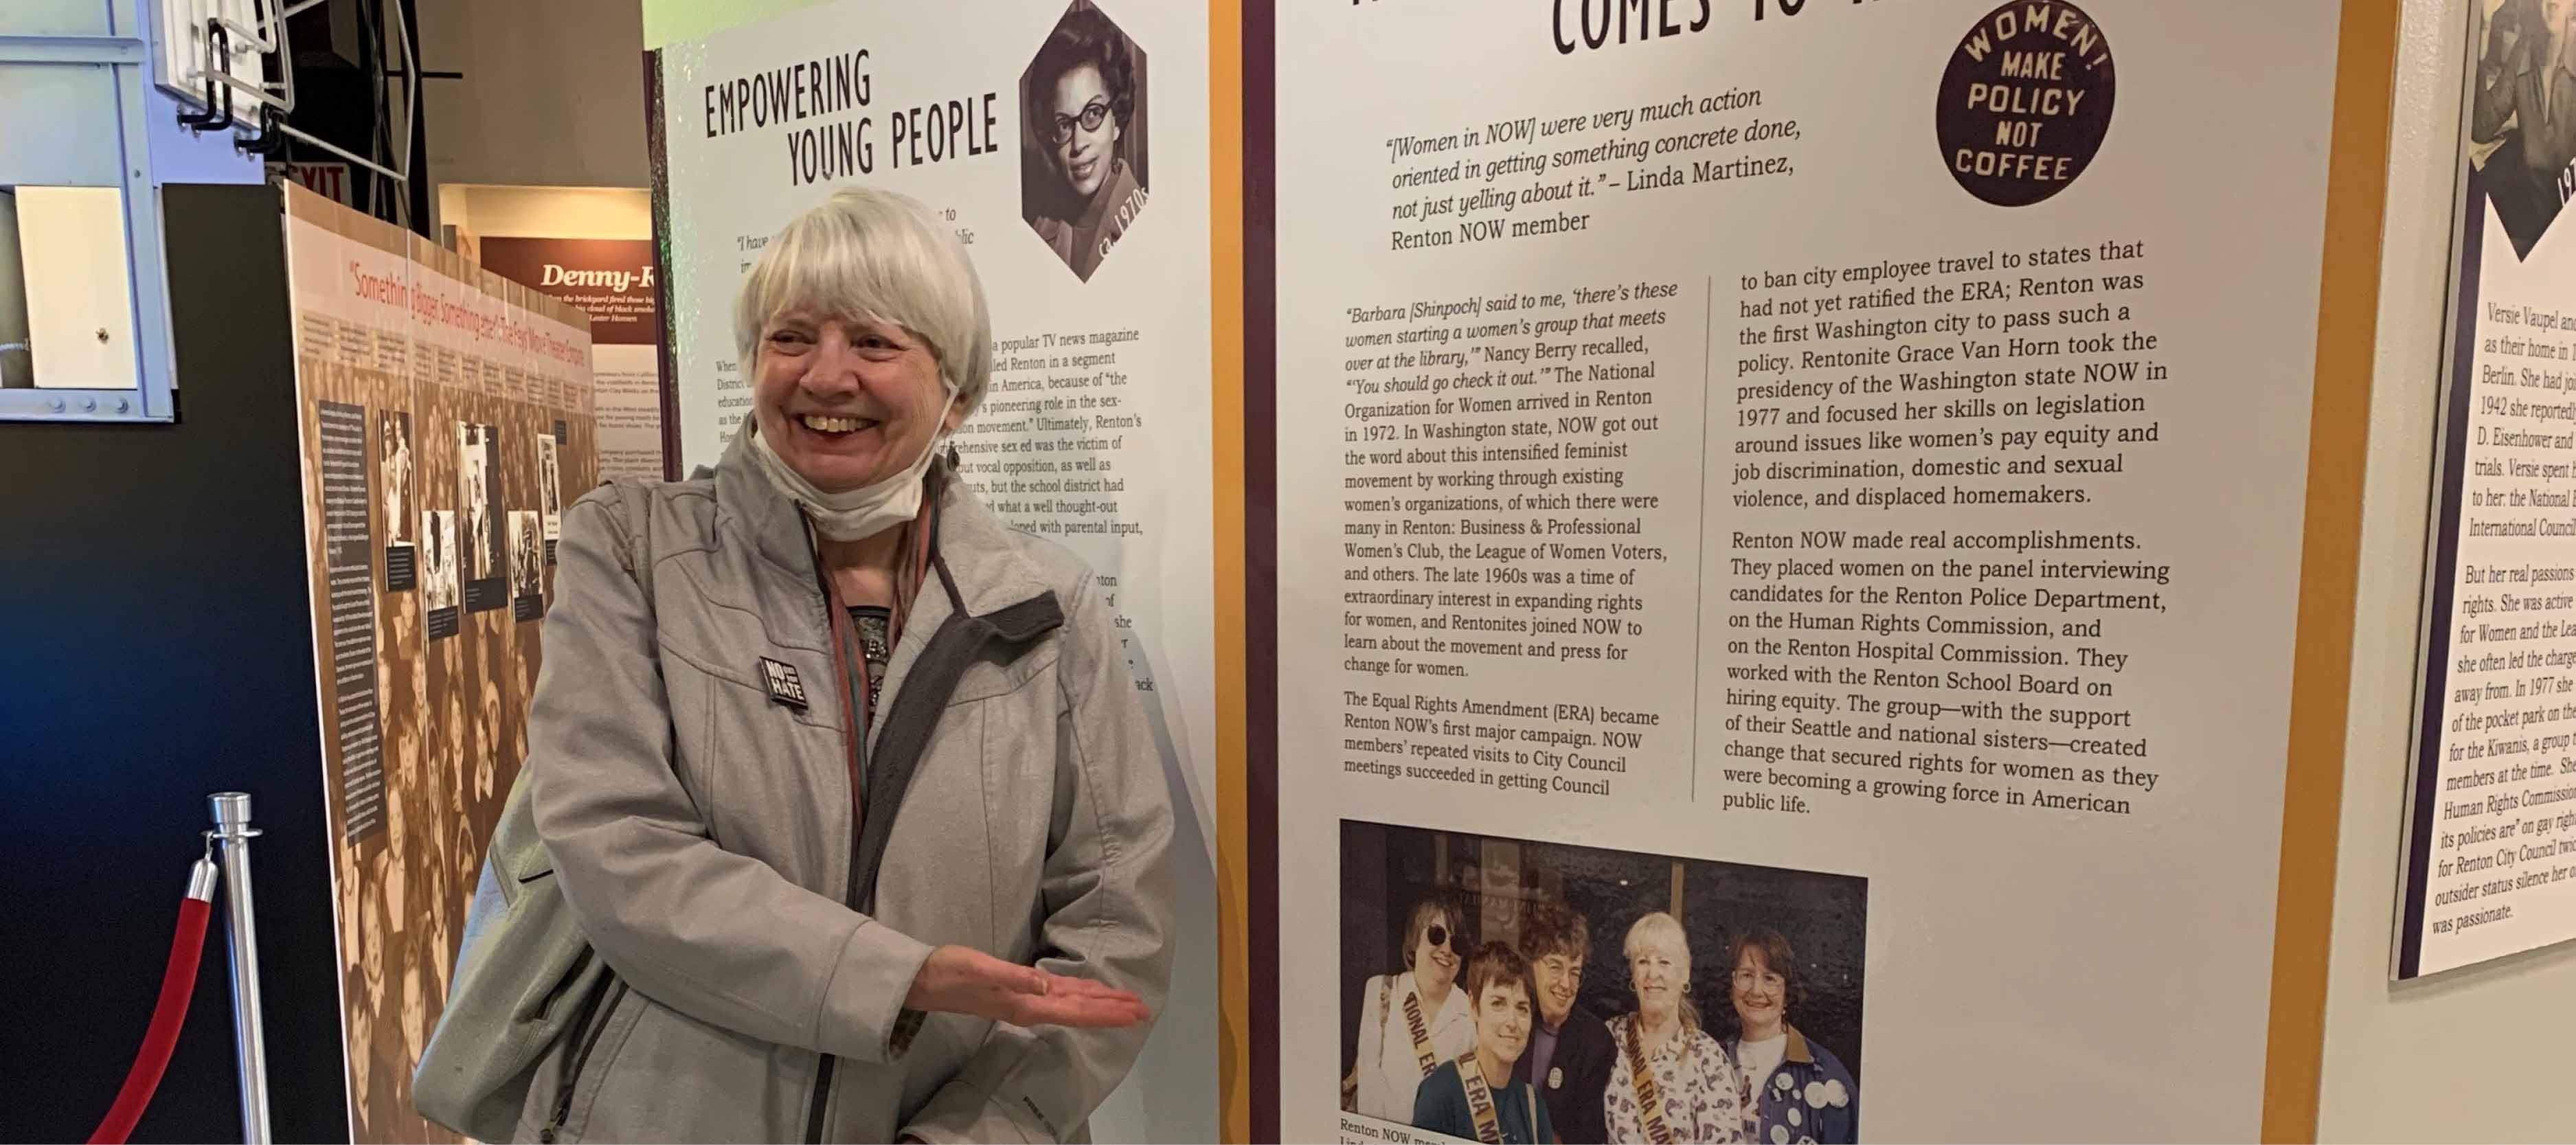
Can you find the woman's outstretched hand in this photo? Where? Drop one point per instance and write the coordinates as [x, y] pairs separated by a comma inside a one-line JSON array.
[[958, 980]]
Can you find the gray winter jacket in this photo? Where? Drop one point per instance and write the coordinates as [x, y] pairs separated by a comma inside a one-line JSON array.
[[700, 819]]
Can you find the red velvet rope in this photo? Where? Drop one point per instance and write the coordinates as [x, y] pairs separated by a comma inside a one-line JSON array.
[[177, 984]]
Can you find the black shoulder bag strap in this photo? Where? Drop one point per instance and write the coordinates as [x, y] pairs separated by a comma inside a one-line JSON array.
[[914, 713]]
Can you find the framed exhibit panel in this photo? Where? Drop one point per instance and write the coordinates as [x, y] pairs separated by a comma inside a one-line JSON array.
[[447, 420], [1831, 522], [2490, 861]]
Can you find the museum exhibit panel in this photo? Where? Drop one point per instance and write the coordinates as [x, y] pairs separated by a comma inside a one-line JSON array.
[[1681, 564]]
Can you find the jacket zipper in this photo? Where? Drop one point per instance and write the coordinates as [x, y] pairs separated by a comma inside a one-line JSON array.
[[581, 1058], [909, 718], [854, 739]]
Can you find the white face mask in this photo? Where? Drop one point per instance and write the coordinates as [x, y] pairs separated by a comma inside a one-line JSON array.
[[867, 510]]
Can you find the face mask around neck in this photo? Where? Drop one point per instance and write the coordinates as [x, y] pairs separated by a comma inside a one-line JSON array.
[[862, 512]]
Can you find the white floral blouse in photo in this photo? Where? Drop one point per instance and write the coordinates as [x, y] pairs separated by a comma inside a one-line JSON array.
[[1700, 1097]]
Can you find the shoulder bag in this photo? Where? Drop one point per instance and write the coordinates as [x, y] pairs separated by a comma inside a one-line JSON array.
[[525, 975]]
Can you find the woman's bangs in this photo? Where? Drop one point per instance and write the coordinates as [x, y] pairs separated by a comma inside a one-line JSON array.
[[839, 282]]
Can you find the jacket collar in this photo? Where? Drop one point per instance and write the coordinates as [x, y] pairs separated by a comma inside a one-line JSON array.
[[990, 573], [1798, 1051], [980, 554]]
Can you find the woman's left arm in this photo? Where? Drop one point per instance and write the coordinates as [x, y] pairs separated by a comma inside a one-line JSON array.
[[1107, 893]]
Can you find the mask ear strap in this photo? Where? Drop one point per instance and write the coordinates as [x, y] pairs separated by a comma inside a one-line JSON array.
[[942, 432]]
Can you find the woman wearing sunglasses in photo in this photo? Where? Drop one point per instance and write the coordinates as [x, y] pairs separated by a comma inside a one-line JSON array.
[[1412, 1021], [1084, 90]]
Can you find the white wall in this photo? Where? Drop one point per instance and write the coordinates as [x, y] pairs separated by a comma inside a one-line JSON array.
[[2474, 1055], [547, 212], [553, 92]]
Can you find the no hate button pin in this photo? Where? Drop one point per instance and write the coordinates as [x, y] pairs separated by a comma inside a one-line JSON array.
[[784, 687], [2026, 102]]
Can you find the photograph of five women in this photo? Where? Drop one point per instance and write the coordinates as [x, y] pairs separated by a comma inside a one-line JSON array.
[[1511, 991]]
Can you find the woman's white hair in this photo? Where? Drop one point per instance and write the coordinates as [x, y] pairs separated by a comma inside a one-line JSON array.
[[1662, 929], [867, 254]]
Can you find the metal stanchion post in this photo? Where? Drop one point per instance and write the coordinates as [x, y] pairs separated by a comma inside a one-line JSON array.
[[234, 832]]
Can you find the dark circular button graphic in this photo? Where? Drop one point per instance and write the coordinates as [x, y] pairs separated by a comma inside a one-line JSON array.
[[2026, 102]]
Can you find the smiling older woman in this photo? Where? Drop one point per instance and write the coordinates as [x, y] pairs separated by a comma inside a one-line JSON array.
[[1669, 1080], [845, 781]]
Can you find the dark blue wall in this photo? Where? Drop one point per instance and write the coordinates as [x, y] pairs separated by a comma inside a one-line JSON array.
[[156, 646]]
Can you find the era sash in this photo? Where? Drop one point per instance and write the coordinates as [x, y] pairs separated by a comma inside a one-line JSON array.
[[1650, 1095], [1480, 1100], [1421, 1034]]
